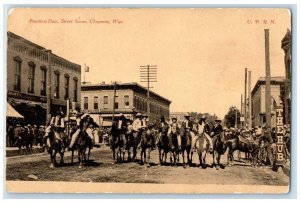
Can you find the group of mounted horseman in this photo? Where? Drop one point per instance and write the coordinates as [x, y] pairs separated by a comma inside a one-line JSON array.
[[170, 138]]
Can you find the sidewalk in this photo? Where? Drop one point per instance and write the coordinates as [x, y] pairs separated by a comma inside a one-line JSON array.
[[15, 151]]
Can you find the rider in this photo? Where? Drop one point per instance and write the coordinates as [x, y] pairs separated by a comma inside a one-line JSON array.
[[77, 131], [122, 127], [203, 129], [217, 129], [137, 126], [269, 143], [173, 132], [58, 123], [163, 127], [186, 126]]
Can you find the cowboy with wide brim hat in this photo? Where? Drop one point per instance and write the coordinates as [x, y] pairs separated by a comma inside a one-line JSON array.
[[138, 115], [187, 115], [218, 120]]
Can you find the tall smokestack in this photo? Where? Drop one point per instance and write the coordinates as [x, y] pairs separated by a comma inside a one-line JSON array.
[[268, 75]]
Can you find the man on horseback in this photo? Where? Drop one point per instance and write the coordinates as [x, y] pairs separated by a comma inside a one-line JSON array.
[[203, 129], [173, 132], [58, 124], [217, 129]]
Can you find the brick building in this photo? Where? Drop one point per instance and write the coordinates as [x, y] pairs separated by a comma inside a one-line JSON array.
[[258, 99], [97, 99], [32, 71]]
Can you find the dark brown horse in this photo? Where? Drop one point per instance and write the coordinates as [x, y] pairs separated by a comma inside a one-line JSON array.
[[219, 148], [186, 146], [54, 146], [147, 143], [238, 142]]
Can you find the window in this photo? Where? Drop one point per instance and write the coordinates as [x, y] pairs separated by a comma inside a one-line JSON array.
[[67, 77], [44, 81], [126, 101], [95, 102], [31, 77], [116, 102], [85, 103], [75, 88], [105, 102], [56, 84], [17, 74]]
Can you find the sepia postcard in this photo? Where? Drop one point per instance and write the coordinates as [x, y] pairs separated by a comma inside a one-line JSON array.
[[148, 100]]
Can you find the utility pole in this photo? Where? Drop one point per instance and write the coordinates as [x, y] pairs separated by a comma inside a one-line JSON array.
[[268, 82], [245, 100], [242, 110], [114, 100], [235, 122], [250, 100], [148, 74], [48, 89]]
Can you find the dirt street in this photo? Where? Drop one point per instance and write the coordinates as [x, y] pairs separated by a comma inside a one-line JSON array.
[[102, 169]]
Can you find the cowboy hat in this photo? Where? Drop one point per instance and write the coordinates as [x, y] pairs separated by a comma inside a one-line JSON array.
[[138, 115], [187, 115], [203, 117], [174, 118], [218, 120]]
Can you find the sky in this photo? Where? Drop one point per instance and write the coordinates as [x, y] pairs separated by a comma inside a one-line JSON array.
[[201, 54]]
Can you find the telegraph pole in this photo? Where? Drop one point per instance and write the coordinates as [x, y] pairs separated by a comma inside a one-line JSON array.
[[48, 89], [148, 74], [268, 82], [245, 100], [250, 100], [242, 124]]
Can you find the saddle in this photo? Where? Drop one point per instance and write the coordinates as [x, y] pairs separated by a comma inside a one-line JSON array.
[[243, 140]]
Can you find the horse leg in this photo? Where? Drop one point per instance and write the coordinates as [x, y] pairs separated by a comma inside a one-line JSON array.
[[72, 156], [51, 158], [200, 158], [89, 153], [171, 157], [183, 160], [142, 152], [61, 158], [160, 156], [148, 150], [218, 161]]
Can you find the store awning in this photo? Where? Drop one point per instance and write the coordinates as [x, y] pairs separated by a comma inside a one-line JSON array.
[[11, 112]]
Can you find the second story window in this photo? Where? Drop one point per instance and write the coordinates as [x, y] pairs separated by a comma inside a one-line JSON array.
[[17, 74], [67, 77], [85, 103], [105, 102], [126, 101], [44, 81], [95, 102], [31, 72], [56, 84], [116, 102], [75, 88]]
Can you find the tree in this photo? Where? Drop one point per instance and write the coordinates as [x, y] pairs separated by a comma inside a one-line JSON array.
[[229, 119]]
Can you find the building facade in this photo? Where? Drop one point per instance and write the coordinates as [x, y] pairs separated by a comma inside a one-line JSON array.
[[130, 98], [259, 99], [36, 77]]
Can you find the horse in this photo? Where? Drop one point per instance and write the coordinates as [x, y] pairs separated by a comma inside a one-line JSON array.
[[249, 146], [162, 143], [219, 148], [84, 142], [147, 142], [54, 146], [202, 148], [186, 146]]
